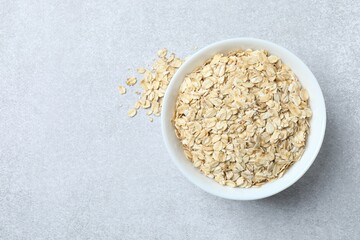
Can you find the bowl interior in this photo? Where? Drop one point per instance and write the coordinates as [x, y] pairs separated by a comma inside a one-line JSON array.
[[317, 122]]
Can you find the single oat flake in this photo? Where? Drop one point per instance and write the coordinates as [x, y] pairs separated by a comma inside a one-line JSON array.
[[141, 70], [122, 90], [131, 81], [242, 118], [132, 112]]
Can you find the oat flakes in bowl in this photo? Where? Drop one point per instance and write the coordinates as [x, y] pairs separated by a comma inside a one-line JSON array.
[[243, 118]]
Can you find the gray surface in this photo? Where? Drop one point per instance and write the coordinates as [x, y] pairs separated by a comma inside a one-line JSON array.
[[73, 166]]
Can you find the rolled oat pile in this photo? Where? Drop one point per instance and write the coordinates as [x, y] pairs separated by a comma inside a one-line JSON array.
[[242, 118], [153, 83]]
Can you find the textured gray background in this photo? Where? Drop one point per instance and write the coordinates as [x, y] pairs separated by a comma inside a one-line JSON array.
[[73, 166]]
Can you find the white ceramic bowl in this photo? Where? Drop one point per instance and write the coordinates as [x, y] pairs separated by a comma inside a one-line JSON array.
[[315, 138]]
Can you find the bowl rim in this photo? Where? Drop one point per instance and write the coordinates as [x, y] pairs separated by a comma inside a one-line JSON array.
[[187, 67]]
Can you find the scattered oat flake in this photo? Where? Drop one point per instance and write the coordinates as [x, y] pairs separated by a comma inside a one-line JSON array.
[[137, 105], [162, 53], [122, 90], [141, 70], [131, 81], [132, 112]]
